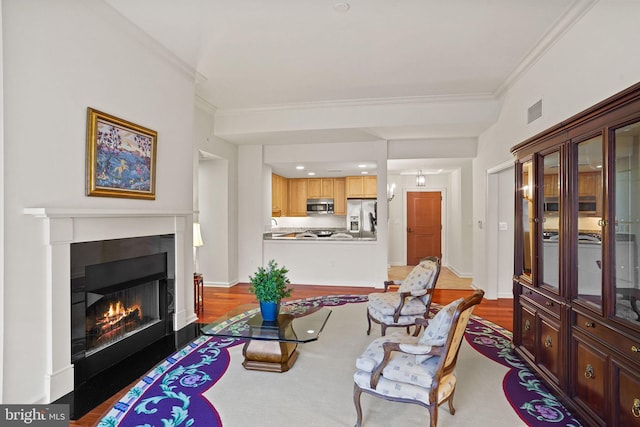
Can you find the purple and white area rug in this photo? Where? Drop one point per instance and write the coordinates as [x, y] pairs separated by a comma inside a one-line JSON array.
[[172, 393]]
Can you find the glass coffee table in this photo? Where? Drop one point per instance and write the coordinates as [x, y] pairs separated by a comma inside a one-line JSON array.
[[270, 346]]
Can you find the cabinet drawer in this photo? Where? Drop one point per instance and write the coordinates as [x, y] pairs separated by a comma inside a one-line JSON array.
[[616, 340], [541, 300], [528, 330], [549, 345], [590, 378], [627, 407]]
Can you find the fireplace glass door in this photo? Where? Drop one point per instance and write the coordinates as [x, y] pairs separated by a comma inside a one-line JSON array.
[[113, 316]]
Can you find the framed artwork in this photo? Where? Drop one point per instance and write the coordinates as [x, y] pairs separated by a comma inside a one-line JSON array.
[[121, 158]]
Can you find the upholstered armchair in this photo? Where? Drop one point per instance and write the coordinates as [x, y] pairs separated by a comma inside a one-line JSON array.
[[416, 368], [412, 299]]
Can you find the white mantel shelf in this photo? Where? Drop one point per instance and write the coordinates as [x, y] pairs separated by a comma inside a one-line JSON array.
[[99, 213]]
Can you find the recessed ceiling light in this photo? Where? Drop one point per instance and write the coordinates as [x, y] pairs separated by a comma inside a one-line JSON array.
[[311, 173], [341, 6], [362, 166], [364, 173], [300, 168]]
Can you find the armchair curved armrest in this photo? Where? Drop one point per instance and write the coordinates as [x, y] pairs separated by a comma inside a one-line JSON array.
[[403, 298], [390, 347], [421, 322]]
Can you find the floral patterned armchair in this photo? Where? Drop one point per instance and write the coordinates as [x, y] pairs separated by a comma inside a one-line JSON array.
[[416, 368], [412, 299]]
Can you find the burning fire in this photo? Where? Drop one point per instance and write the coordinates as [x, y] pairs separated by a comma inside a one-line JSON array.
[[118, 312]]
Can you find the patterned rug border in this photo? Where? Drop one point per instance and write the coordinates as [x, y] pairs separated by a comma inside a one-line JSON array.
[[540, 408]]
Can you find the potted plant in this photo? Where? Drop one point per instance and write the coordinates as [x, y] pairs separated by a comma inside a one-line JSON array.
[[270, 286]]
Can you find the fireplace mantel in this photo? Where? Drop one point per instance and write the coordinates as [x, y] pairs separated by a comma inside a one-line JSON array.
[[98, 213], [64, 226]]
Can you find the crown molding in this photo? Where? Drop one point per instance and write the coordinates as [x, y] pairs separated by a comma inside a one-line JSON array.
[[205, 105], [365, 102], [573, 14]]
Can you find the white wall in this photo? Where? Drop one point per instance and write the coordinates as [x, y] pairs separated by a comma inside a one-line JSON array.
[[1, 206], [60, 58], [590, 63], [217, 203]]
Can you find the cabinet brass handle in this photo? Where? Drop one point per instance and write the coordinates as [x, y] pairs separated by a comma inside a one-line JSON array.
[[588, 373], [527, 325], [548, 304], [635, 349], [635, 409], [547, 342], [589, 324]]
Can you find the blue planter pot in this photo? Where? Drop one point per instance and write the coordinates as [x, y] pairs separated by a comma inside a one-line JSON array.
[[269, 310]]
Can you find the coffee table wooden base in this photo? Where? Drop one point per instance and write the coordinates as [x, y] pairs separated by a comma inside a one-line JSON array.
[[270, 356]]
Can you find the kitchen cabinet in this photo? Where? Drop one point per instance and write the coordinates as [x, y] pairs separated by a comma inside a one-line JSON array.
[[297, 197], [320, 188], [279, 195], [363, 187], [576, 321], [551, 186], [587, 183], [339, 196]]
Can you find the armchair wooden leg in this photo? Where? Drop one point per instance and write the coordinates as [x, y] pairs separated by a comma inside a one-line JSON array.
[[433, 413], [452, 410], [369, 322], [384, 329], [356, 401]]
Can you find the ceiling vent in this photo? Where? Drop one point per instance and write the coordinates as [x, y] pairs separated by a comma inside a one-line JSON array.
[[534, 112]]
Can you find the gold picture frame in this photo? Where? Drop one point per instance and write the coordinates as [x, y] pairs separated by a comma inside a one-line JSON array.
[[120, 158]]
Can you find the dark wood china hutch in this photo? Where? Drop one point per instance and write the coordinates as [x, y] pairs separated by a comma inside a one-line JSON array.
[[576, 282]]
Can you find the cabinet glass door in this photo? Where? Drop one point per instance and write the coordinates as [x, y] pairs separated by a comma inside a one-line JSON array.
[[627, 220], [526, 197], [550, 255], [588, 209]]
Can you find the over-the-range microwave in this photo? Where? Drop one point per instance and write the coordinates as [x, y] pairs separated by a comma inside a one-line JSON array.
[[319, 206], [586, 204]]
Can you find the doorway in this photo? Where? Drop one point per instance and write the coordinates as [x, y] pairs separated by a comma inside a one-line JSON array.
[[424, 225]]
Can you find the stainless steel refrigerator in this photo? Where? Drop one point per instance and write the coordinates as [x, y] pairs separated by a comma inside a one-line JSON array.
[[362, 217]]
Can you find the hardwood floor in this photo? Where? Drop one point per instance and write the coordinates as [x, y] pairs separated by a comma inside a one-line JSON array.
[[218, 301]]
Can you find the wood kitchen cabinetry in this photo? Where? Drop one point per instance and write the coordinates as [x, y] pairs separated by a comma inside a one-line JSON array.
[[365, 187], [298, 197], [279, 195], [339, 196], [320, 188], [576, 317]]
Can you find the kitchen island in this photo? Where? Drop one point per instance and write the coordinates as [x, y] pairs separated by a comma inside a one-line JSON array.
[[329, 260]]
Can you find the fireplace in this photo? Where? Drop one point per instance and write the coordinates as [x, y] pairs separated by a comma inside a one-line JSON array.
[[120, 300], [65, 230]]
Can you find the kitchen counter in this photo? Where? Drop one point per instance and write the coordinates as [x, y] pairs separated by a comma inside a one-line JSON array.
[[303, 235]]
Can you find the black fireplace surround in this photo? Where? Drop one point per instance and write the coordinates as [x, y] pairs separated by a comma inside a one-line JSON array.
[[137, 272]]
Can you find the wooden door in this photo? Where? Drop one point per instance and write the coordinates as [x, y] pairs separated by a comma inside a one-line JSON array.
[[424, 226]]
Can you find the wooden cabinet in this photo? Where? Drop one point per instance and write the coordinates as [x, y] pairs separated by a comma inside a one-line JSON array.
[[339, 196], [576, 317], [551, 187], [588, 183], [297, 197], [365, 187], [279, 195], [320, 188]]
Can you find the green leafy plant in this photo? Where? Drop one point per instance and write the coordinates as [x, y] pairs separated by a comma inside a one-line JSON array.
[[270, 284]]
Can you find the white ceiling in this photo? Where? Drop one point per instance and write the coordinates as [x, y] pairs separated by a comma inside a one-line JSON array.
[[252, 55]]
